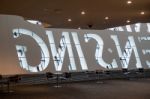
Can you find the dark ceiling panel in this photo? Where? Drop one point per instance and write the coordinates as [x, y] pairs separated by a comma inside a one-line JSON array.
[[56, 12]]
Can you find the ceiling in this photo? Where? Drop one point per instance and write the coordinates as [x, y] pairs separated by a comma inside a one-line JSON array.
[[57, 12]]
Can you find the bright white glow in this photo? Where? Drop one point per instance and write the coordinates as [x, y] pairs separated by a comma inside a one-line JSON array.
[[106, 18], [142, 12], [22, 49], [35, 22], [137, 27], [111, 29], [83, 13], [99, 51], [148, 27], [129, 2], [69, 20], [58, 56], [126, 54], [119, 28], [79, 50], [148, 63], [128, 28], [128, 21]]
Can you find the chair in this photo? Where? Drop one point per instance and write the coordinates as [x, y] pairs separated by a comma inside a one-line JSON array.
[[140, 73], [67, 75], [49, 76], [4, 81], [13, 80], [126, 73], [141, 70]]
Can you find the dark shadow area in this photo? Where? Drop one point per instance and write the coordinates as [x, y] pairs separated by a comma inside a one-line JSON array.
[[111, 89]]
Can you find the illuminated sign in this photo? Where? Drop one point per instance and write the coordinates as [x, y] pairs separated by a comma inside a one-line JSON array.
[[72, 50]]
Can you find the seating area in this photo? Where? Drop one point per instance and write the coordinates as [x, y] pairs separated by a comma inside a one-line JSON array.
[[6, 82], [91, 82], [116, 89], [75, 76]]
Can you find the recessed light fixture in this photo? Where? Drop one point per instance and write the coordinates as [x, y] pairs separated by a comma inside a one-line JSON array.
[[129, 2], [142, 12], [69, 20], [106, 18], [35, 22], [82, 12], [128, 21], [79, 28]]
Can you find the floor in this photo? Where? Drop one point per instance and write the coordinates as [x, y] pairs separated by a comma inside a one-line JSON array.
[[109, 89]]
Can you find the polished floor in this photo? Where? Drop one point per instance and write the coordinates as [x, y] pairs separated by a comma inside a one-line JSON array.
[[110, 89]]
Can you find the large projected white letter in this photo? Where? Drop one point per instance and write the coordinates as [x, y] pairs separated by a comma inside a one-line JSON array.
[[99, 51], [58, 56], [79, 50], [137, 27], [145, 51], [125, 56], [22, 49]]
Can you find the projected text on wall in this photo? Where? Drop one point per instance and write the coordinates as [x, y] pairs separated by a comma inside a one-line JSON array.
[[68, 45]]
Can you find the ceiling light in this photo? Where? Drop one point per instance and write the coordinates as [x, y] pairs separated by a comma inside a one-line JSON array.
[[142, 12], [128, 21], [106, 18], [35, 22], [129, 2], [69, 20], [82, 12], [79, 28]]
